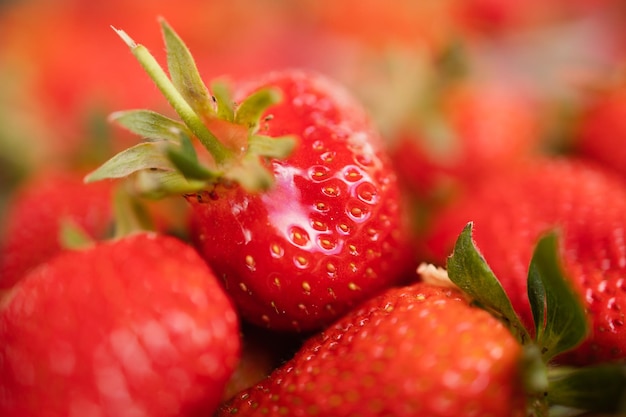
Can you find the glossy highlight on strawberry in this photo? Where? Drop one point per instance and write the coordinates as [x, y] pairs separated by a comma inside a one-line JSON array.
[[295, 204], [327, 234]]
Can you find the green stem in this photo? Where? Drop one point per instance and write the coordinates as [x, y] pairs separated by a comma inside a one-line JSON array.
[[219, 152]]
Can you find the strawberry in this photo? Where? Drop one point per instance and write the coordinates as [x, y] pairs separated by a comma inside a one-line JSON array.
[[36, 213], [601, 127], [417, 350], [297, 208], [424, 349], [582, 200], [137, 326]]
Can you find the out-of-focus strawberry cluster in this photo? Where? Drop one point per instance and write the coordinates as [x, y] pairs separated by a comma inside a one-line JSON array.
[[458, 87]]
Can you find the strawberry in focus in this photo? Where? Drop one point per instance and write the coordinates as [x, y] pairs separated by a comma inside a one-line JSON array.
[[131, 327], [329, 231], [417, 350], [296, 208], [448, 345]]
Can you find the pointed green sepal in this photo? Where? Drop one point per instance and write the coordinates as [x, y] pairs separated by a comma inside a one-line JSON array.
[[150, 125], [184, 73], [252, 108], [242, 155], [176, 99], [469, 271], [184, 158], [156, 184], [131, 215], [144, 156], [560, 319], [597, 388], [73, 236], [224, 101]]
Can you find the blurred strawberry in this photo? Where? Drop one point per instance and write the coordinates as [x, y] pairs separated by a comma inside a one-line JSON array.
[[601, 130], [36, 213], [136, 326], [376, 24], [491, 18], [469, 130]]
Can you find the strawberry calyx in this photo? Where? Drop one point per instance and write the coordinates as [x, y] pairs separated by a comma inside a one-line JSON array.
[[167, 162], [560, 325]]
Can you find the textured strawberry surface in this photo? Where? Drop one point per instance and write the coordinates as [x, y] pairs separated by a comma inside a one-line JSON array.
[[418, 350], [331, 231], [134, 327]]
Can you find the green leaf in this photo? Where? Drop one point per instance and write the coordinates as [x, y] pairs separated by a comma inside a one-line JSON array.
[[271, 147], [150, 125], [178, 102], [185, 160], [469, 271], [249, 112], [73, 236], [147, 155], [598, 388], [131, 214], [225, 105], [184, 73], [560, 319], [155, 184]]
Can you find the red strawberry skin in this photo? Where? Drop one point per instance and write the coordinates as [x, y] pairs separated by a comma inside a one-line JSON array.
[[417, 350], [134, 327], [32, 222], [587, 205], [601, 130], [330, 233]]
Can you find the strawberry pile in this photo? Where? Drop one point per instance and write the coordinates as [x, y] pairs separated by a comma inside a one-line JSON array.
[[362, 232]]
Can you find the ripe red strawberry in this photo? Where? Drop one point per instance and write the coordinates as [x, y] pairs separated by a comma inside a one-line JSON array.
[[137, 326], [418, 350], [429, 350], [296, 239], [35, 214], [587, 204], [601, 129]]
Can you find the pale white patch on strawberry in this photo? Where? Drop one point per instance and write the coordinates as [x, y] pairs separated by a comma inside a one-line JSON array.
[[130, 353], [434, 275], [156, 341], [182, 324], [115, 395]]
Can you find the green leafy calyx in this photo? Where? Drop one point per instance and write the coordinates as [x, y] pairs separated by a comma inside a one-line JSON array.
[[167, 162], [560, 326]]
